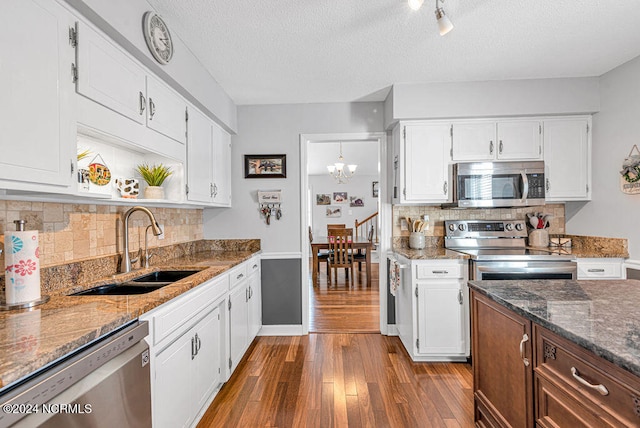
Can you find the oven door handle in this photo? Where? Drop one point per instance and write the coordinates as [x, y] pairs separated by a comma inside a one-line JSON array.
[[525, 186]]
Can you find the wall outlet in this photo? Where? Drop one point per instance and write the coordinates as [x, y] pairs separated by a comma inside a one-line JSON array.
[[403, 224], [161, 236]]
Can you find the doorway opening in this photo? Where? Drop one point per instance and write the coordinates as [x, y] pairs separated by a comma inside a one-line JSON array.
[[343, 304]]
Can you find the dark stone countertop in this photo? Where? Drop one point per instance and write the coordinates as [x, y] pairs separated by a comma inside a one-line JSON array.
[[31, 339], [601, 316]]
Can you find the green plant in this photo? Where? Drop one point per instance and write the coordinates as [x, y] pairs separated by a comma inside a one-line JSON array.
[[154, 175]]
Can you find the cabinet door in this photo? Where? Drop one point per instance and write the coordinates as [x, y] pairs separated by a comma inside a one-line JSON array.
[[166, 110], [474, 141], [199, 157], [221, 166], [208, 359], [440, 309], [567, 159], [173, 400], [502, 364], [520, 140], [37, 131], [238, 323], [255, 305], [426, 163], [109, 76]]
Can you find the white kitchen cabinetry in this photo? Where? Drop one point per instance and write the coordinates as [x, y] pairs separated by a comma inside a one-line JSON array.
[[601, 268], [567, 157], [502, 140], [114, 87], [208, 161], [432, 310], [37, 130], [421, 162], [255, 297], [186, 341]]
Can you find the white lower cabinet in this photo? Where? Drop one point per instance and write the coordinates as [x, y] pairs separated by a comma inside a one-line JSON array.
[[601, 268], [432, 310]]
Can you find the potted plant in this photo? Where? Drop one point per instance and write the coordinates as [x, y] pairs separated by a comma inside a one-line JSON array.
[[154, 175]]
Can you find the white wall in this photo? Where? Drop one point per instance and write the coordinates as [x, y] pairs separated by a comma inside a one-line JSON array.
[[122, 21], [359, 185], [616, 128], [276, 129], [491, 98]]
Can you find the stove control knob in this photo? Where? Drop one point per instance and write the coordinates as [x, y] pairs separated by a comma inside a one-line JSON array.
[[461, 227], [508, 226], [519, 227], [452, 227]]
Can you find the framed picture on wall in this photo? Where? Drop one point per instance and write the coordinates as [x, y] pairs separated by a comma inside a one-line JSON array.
[[340, 198], [323, 199], [265, 166], [356, 201], [374, 189], [334, 212]]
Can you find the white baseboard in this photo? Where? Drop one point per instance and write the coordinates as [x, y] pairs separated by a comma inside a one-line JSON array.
[[277, 256], [281, 330], [392, 330]]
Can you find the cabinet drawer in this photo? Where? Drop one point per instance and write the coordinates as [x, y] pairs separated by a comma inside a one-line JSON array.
[[600, 269], [253, 266], [438, 270], [177, 313], [573, 368], [555, 408], [237, 275]]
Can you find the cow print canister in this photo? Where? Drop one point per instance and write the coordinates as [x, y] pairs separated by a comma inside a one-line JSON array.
[[22, 266]]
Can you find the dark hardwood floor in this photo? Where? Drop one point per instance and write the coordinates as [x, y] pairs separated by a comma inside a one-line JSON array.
[[344, 375], [340, 380]]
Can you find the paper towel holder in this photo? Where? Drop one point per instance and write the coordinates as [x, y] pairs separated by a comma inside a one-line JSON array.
[[22, 305]]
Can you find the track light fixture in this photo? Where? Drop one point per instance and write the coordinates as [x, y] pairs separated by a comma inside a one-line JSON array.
[[444, 23]]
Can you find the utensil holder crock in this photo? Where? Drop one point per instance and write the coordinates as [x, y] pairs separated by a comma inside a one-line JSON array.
[[416, 240], [539, 238]]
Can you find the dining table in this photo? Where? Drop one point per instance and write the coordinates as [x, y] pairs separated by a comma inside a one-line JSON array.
[[359, 243]]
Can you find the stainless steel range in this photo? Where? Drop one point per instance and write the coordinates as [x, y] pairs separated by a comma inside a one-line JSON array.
[[499, 251]]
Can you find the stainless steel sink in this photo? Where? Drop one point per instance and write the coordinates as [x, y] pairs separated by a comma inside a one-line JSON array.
[[141, 285]]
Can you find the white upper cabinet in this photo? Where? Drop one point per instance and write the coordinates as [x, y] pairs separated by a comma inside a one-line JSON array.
[[108, 76], [497, 140], [221, 166], [423, 162], [567, 158], [199, 157], [166, 110], [37, 132]]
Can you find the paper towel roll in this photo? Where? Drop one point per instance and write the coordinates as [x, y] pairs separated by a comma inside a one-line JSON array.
[[22, 266]]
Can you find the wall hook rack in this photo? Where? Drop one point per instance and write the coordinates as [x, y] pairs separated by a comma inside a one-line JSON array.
[[270, 204]]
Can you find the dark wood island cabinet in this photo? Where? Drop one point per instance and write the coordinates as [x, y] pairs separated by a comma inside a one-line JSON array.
[[560, 356]]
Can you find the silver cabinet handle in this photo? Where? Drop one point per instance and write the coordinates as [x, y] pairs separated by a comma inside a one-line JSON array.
[[250, 292], [444, 187], [193, 348], [460, 298], [211, 190], [525, 360], [600, 388], [215, 190], [255, 266], [240, 276], [500, 149], [548, 184], [198, 344], [595, 270], [439, 272], [490, 147], [152, 109], [143, 103], [246, 294]]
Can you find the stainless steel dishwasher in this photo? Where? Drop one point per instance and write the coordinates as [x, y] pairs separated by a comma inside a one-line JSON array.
[[104, 384]]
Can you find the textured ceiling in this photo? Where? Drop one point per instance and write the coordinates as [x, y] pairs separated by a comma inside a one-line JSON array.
[[301, 51]]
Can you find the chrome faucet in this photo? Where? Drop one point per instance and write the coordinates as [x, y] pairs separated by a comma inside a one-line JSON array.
[[126, 259]]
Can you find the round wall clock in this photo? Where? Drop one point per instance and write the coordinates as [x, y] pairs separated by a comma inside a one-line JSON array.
[[157, 36]]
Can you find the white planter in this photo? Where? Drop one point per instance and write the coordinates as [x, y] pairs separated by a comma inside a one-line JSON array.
[[154, 192]]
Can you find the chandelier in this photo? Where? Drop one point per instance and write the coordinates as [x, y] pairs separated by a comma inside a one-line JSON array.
[[338, 172]]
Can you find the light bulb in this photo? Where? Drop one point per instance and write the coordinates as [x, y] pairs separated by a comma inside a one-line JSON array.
[[415, 4], [352, 168], [444, 24], [331, 169]]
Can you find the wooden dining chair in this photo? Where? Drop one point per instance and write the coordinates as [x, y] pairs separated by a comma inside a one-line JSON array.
[[334, 226], [360, 256], [323, 255], [341, 255]]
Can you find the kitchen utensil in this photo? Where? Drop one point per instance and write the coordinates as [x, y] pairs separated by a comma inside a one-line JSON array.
[[547, 220], [533, 221], [540, 223], [409, 224]]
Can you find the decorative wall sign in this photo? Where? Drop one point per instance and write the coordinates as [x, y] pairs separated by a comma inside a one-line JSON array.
[[340, 198], [323, 199], [334, 212], [99, 173], [630, 173], [265, 166]]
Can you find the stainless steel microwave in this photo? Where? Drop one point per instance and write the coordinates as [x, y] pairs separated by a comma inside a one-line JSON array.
[[498, 184]]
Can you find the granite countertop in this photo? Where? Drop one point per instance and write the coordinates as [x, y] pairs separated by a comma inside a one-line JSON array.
[[31, 339], [601, 316], [429, 253]]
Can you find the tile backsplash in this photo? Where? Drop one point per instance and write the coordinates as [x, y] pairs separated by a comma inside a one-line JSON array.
[[437, 216], [71, 232]]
